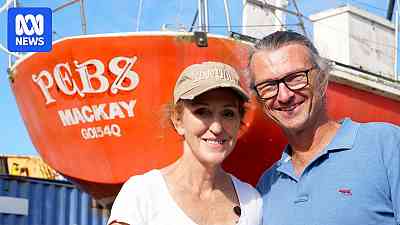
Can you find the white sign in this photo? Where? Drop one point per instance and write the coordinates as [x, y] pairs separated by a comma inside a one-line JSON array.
[[12, 205]]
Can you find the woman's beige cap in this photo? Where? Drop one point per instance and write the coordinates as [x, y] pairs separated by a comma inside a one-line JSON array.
[[197, 79]]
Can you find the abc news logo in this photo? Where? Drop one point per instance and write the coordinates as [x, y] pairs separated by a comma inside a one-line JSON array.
[[29, 29]]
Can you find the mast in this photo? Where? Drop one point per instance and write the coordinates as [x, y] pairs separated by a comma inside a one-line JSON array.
[[203, 15]]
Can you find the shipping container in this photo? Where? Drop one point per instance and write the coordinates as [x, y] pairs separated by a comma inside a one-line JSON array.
[[32, 201]]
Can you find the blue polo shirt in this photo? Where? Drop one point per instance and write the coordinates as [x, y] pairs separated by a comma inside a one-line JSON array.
[[355, 180]]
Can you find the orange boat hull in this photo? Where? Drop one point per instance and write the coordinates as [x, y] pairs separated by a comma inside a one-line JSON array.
[[93, 107]]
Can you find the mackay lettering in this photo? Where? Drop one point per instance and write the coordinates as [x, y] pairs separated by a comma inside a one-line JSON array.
[[92, 113]]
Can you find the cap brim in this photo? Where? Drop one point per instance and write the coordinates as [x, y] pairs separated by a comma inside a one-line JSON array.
[[193, 93]]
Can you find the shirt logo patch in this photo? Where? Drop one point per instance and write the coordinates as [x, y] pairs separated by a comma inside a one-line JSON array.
[[345, 191]]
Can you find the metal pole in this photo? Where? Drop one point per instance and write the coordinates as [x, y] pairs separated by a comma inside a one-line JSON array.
[[396, 44], [267, 5], [206, 14], [228, 17], [203, 15], [194, 20], [9, 55], [65, 5], [139, 15], [6, 5], [83, 17], [300, 19]]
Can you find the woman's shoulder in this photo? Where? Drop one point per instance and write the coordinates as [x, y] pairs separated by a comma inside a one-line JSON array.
[[245, 188], [148, 179], [134, 200]]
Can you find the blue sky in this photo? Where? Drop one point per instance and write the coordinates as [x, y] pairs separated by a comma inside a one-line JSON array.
[[104, 16]]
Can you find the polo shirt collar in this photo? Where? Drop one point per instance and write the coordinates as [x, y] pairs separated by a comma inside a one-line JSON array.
[[344, 140], [345, 137]]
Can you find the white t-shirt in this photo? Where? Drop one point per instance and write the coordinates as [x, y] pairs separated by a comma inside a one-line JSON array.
[[145, 200]]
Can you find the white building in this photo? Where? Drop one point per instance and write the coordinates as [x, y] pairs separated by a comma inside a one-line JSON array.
[[358, 38]]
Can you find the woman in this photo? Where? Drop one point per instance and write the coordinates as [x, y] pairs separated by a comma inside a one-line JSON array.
[[207, 111]]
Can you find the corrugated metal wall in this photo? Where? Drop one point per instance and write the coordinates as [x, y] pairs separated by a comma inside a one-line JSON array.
[[50, 203]]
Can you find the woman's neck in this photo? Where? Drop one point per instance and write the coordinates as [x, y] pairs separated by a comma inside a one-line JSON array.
[[194, 176]]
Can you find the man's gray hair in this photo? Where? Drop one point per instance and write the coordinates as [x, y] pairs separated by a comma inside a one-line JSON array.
[[279, 39]]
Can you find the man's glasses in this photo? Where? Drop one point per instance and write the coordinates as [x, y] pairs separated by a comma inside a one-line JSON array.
[[270, 88]]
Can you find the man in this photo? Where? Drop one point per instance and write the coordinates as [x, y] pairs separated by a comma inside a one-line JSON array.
[[330, 172]]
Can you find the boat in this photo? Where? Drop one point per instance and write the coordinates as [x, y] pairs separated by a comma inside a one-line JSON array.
[[94, 106]]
